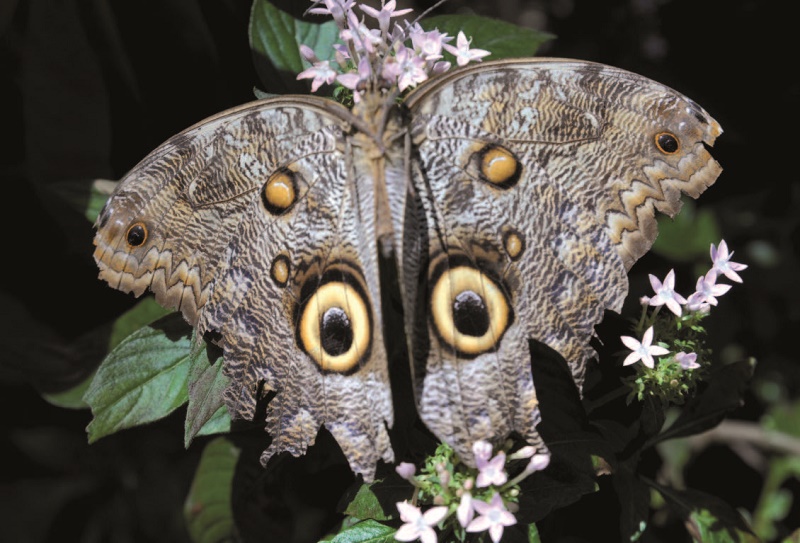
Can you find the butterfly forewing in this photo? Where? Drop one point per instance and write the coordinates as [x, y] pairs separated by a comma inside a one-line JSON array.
[[539, 180], [252, 224]]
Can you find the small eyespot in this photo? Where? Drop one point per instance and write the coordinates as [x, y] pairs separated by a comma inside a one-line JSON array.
[[280, 191], [498, 166], [137, 234], [667, 143], [334, 326], [514, 244], [280, 270]]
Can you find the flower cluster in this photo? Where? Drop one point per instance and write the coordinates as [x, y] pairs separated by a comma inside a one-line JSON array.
[[471, 500], [681, 344], [400, 56]]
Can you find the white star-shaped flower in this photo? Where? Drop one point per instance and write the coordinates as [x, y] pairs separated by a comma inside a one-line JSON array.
[[491, 472], [706, 291], [494, 517], [418, 525], [643, 350], [464, 55], [722, 262], [665, 293]]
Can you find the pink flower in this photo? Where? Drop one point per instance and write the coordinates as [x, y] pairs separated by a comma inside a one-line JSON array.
[[465, 511], [492, 472], [320, 73], [385, 14], [722, 262], [706, 291], [464, 55], [665, 293], [494, 517], [418, 525], [688, 361], [406, 470], [643, 350]]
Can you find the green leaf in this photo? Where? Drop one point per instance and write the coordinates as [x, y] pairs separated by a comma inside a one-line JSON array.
[[143, 379], [367, 531], [775, 502], [365, 504], [143, 313], [206, 385], [86, 196], [276, 36], [504, 40], [208, 512], [71, 398], [706, 409], [533, 534], [688, 236], [707, 518], [219, 423], [634, 500]]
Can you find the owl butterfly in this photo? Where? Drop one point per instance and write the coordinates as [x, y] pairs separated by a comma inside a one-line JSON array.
[[514, 196]]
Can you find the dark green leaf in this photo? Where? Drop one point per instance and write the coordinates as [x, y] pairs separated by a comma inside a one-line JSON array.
[[143, 379], [502, 39], [708, 518], [145, 312], [71, 398], [367, 531], [219, 423], [706, 409], [634, 501], [533, 534], [87, 197], [207, 512], [688, 236], [142, 314], [365, 505], [206, 411], [276, 36]]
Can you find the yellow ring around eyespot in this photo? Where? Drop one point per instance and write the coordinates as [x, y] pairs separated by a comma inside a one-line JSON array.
[[128, 233], [498, 165], [344, 296], [671, 135], [279, 191], [454, 282]]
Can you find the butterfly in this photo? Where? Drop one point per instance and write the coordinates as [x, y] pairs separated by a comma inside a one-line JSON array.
[[512, 195]]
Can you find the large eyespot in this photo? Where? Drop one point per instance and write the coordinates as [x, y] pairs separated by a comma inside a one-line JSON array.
[[280, 191], [136, 235], [335, 322], [498, 166], [469, 310], [667, 143]]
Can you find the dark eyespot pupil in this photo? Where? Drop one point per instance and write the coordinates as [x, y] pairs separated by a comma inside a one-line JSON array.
[[335, 331], [136, 235], [470, 314], [667, 143]]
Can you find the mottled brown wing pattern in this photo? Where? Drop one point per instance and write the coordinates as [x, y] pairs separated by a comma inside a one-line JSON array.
[[538, 180], [252, 224]]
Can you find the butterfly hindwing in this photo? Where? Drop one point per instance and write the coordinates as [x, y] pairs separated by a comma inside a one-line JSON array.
[[538, 181], [252, 224]]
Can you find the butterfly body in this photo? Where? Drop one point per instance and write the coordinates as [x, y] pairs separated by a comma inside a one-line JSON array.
[[514, 196]]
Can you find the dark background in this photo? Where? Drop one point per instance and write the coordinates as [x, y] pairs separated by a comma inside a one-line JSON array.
[[90, 87]]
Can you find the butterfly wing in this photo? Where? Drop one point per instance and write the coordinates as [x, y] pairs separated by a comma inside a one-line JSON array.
[[250, 224], [536, 183]]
